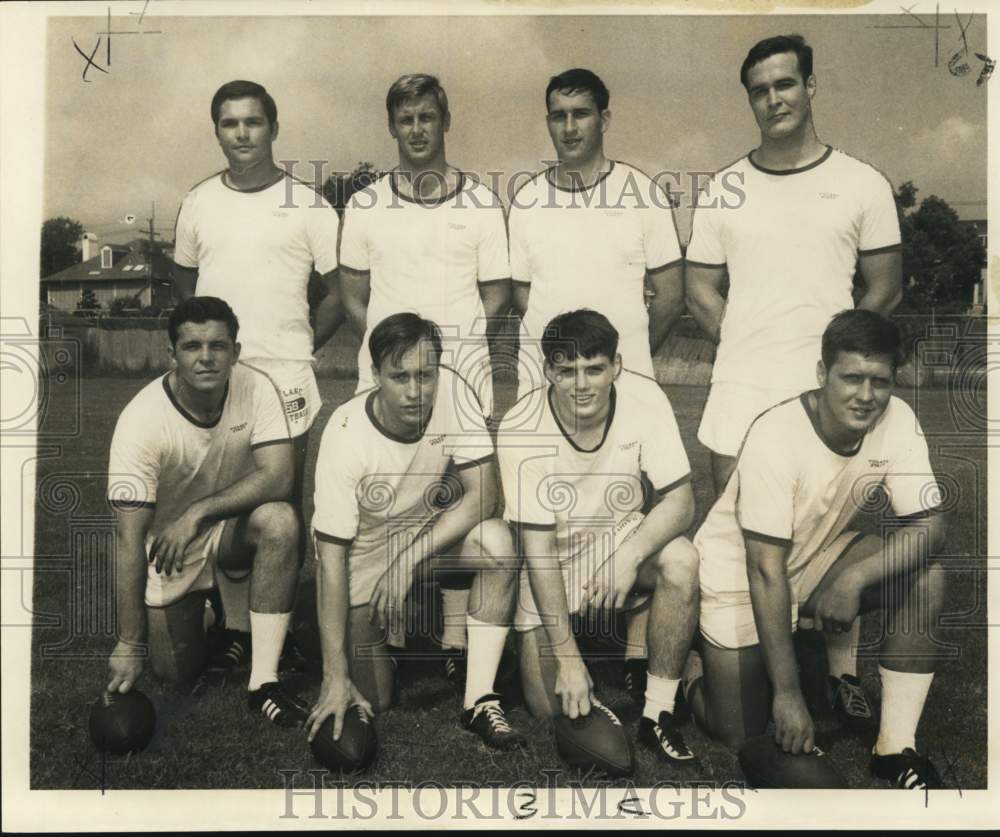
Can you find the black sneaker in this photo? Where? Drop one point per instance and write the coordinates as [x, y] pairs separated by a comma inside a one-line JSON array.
[[907, 770], [455, 668], [850, 703], [487, 720], [292, 659], [636, 672], [276, 704], [665, 739], [231, 652]]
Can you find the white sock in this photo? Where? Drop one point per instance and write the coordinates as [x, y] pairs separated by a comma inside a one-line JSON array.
[[267, 634], [454, 606], [840, 650], [660, 695], [235, 601], [486, 644], [903, 696], [635, 636]]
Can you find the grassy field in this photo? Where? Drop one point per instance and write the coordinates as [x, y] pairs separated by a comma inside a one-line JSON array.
[[206, 738]]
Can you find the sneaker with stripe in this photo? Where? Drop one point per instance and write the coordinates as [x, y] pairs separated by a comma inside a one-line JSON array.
[[851, 704], [907, 770], [277, 704], [486, 719], [664, 737], [232, 650]]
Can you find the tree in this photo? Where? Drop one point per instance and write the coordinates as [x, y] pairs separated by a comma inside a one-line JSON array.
[[59, 239], [88, 302]]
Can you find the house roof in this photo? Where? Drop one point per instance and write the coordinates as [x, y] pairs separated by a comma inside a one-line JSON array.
[[128, 261]]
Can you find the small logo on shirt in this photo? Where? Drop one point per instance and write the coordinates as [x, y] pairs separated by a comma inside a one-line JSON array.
[[614, 213], [437, 440], [453, 226], [628, 445], [293, 405], [829, 195], [279, 214], [236, 428], [878, 463]]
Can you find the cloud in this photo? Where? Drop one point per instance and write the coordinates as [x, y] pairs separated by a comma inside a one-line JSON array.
[[951, 140]]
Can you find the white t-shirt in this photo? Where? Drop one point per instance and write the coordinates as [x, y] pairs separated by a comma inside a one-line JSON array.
[[375, 491], [793, 489], [590, 248], [790, 242], [550, 483], [164, 457], [429, 257], [256, 251]]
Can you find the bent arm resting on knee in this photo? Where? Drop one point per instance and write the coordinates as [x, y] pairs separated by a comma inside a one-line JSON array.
[[904, 550]]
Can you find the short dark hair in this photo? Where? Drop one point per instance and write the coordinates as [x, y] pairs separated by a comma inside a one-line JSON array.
[[399, 333], [201, 309], [579, 81], [776, 46], [413, 86], [581, 333], [244, 90], [864, 332]]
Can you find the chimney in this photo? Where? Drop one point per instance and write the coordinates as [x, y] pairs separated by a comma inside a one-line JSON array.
[[88, 246]]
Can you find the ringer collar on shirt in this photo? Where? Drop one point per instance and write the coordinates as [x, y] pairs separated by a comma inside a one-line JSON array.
[[266, 186], [822, 159], [607, 421], [554, 185], [370, 412], [814, 420], [425, 201], [205, 425]]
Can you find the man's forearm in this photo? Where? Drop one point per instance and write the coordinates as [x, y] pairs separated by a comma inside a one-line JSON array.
[[549, 592], [130, 588], [706, 307], [329, 316], [669, 518], [903, 550], [243, 496], [772, 611], [333, 609]]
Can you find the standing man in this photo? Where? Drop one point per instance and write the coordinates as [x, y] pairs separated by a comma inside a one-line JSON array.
[[252, 235], [776, 548], [199, 477], [809, 215], [381, 527], [429, 239], [593, 233], [590, 233]]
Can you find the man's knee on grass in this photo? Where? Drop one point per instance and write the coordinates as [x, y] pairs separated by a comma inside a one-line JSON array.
[[274, 527], [177, 649], [370, 662]]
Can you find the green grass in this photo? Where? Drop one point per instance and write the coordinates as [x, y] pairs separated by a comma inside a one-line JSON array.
[[209, 740]]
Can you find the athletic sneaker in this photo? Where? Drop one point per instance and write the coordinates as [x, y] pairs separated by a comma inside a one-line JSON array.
[[486, 719], [907, 770], [850, 703], [276, 704], [232, 650], [665, 739], [455, 668], [636, 672]]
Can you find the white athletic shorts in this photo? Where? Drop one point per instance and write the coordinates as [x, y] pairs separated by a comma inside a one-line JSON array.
[[296, 381], [575, 573], [727, 618], [729, 411], [198, 569]]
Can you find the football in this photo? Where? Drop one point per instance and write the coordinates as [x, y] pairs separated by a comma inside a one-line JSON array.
[[766, 765], [596, 741], [357, 745], [122, 723]]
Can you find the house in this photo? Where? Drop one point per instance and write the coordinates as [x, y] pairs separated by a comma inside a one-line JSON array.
[[132, 270]]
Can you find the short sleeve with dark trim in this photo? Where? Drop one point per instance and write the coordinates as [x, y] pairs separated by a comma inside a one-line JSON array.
[[134, 463], [270, 425], [338, 472], [767, 474], [879, 220], [662, 457]]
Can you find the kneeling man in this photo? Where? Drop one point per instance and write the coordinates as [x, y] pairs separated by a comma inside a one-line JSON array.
[[200, 474], [776, 548], [405, 489], [573, 455]]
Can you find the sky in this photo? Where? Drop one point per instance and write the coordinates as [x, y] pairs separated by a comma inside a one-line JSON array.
[[142, 132]]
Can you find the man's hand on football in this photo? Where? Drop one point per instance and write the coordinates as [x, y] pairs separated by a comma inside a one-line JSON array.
[[793, 726], [168, 547], [125, 665], [838, 606], [337, 695], [574, 687]]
